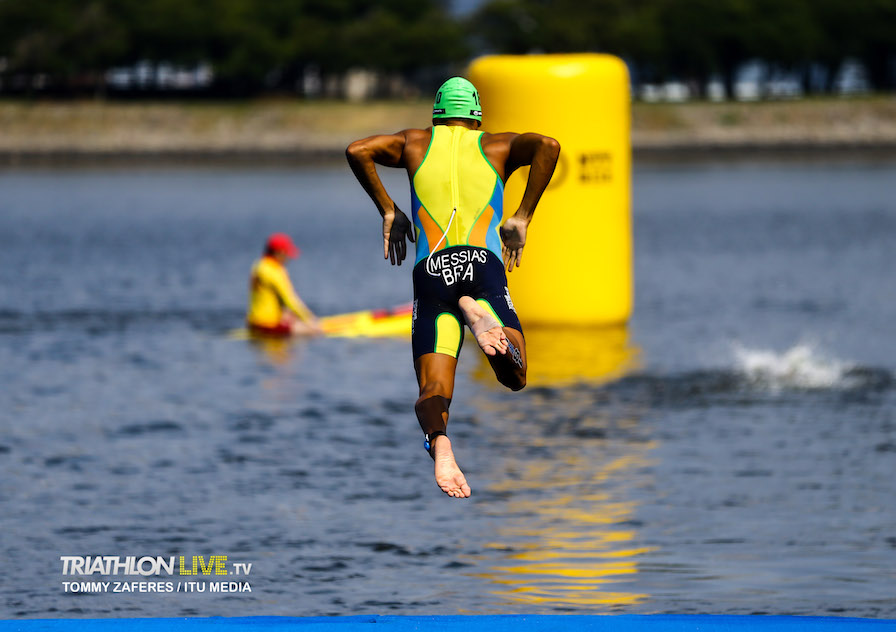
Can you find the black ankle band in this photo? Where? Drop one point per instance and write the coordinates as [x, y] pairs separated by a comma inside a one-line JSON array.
[[428, 439]]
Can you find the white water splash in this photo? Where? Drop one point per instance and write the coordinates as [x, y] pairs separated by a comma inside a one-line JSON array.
[[800, 367]]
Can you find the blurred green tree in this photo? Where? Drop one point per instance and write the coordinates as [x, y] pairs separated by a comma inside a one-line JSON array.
[[876, 46], [262, 46], [783, 34], [693, 40], [61, 43], [252, 46]]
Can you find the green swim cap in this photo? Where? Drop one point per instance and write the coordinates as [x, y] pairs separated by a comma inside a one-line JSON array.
[[457, 98]]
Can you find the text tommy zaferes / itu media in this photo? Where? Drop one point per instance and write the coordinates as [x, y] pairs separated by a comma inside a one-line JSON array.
[[151, 565]]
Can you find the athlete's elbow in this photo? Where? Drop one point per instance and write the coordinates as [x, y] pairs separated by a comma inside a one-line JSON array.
[[356, 152], [551, 146], [351, 152]]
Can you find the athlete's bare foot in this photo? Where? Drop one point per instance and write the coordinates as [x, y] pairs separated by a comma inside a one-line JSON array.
[[488, 331], [448, 475]]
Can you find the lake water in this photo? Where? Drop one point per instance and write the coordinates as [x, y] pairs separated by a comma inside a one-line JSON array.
[[735, 451]]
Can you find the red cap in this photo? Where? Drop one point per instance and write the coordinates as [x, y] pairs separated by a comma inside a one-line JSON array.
[[280, 242]]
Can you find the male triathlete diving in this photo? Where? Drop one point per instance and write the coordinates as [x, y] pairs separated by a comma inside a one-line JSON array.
[[457, 175]]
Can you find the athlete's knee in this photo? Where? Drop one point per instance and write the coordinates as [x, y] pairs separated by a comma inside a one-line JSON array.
[[435, 388], [514, 375], [516, 380], [509, 373]]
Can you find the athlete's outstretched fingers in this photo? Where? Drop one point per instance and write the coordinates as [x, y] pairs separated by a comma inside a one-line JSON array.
[[511, 258]]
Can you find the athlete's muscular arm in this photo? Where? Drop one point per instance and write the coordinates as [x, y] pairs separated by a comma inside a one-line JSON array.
[[363, 156], [541, 153]]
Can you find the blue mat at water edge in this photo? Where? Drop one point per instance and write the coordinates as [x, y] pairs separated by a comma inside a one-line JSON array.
[[491, 623]]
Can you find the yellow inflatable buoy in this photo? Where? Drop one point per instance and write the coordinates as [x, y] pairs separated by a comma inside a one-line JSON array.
[[577, 263]]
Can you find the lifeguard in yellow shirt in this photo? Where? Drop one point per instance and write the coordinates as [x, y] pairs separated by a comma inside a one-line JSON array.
[[457, 175], [274, 307]]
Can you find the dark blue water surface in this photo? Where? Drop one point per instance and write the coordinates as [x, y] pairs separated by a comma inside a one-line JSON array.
[[741, 460]]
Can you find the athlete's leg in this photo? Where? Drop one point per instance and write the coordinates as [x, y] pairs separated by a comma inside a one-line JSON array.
[[510, 368], [485, 327], [435, 376], [504, 346]]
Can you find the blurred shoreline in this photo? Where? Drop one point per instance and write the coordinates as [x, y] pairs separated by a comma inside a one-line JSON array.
[[288, 131]]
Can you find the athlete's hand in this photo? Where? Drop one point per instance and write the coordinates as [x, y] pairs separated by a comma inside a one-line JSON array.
[[396, 226], [513, 236]]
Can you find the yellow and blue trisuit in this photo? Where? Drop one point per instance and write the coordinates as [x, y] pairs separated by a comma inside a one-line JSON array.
[[457, 201]]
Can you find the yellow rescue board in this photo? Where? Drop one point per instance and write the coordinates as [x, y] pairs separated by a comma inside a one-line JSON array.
[[369, 323]]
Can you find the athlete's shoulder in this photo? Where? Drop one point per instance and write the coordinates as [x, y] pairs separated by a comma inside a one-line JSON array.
[[524, 143], [416, 136], [414, 132], [390, 150], [415, 147], [498, 138], [496, 148]]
